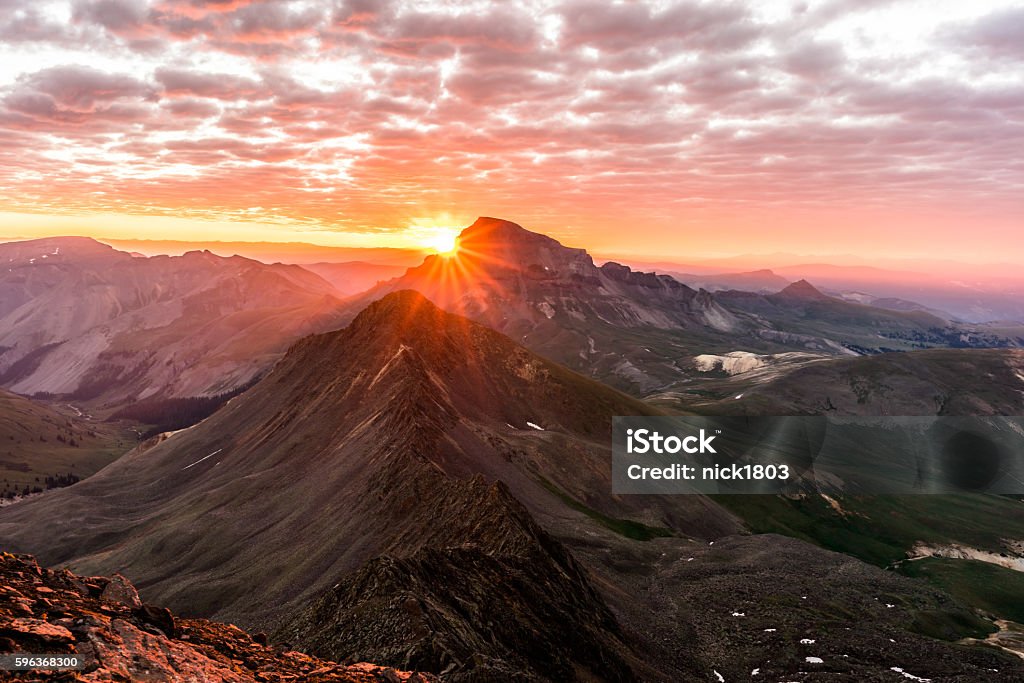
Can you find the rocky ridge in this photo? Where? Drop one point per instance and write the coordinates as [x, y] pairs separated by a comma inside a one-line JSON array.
[[121, 639]]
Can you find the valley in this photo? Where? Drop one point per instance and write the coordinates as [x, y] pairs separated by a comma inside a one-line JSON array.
[[43, 447]]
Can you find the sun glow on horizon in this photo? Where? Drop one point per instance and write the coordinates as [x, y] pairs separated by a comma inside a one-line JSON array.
[[438, 234], [444, 241]]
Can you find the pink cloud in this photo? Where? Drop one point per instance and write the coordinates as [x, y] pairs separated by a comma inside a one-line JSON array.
[[629, 108]]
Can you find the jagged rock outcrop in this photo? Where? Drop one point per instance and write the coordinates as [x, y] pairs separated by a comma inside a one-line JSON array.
[[57, 612], [509, 603]]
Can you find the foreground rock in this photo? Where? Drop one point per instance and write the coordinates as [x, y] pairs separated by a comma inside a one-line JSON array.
[[120, 639]]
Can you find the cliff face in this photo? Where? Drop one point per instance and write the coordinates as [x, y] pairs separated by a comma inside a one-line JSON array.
[[119, 638]]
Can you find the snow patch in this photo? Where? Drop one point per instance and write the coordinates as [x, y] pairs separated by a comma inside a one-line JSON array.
[[402, 349], [910, 676], [202, 459], [814, 660], [535, 426], [719, 677], [732, 363]]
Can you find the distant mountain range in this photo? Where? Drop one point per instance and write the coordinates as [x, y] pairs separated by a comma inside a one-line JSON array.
[[81, 319], [202, 325], [84, 321], [354, 277], [300, 253], [763, 281]]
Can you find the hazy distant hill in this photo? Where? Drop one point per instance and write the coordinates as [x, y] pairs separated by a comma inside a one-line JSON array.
[[803, 309], [354, 277], [82, 319], [764, 281], [966, 296], [275, 252]]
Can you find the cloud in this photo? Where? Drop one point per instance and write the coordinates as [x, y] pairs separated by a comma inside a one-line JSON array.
[[616, 27], [999, 35], [815, 59], [74, 89], [183, 82], [567, 110], [115, 15]]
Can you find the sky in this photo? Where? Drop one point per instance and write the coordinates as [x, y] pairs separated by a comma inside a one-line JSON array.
[[661, 129]]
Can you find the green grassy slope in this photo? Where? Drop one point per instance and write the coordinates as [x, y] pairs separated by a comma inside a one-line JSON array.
[[39, 441]]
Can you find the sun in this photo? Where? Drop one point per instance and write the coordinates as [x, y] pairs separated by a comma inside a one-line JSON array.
[[444, 241]]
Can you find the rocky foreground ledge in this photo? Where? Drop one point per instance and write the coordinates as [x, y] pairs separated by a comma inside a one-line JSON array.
[[119, 638]]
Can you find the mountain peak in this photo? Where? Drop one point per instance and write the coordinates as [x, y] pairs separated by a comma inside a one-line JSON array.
[[802, 289], [490, 224], [406, 307], [511, 242]]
